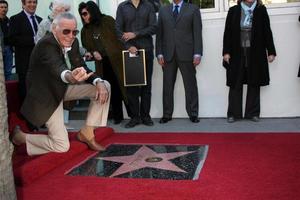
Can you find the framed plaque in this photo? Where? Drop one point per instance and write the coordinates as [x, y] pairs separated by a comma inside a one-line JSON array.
[[134, 68]]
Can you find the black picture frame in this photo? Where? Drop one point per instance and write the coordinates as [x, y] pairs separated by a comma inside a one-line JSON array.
[[134, 68]]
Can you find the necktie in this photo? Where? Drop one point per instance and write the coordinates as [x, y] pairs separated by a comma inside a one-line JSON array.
[[35, 27], [67, 59], [175, 12]]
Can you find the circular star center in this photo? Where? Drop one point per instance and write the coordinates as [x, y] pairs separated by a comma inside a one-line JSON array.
[[153, 159]]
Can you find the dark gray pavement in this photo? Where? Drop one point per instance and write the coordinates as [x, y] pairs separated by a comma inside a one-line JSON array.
[[209, 125]]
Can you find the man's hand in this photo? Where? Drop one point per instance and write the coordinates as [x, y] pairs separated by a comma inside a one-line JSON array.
[[271, 58], [133, 50], [97, 55], [77, 75], [128, 36], [161, 61], [88, 56], [102, 93], [196, 60], [226, 57]]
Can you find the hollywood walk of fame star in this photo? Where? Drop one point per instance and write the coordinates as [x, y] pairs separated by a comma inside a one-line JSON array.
[[145, 157]]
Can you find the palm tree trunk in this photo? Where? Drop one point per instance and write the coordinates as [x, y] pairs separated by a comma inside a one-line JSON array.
[[7, 186]]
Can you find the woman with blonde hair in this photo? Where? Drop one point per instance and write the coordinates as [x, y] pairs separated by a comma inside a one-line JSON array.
[[56, 7]]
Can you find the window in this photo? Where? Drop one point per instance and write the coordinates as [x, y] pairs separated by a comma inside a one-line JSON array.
[[200, 3], [211, 9], [267, 2]]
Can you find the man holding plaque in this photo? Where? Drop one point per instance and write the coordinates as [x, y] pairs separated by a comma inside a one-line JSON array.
[[135, 25]]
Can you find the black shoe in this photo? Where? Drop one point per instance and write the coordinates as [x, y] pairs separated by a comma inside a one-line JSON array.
[[230, 119], [254, 119], [164, 120], [132, 123], [194, 119], [44, 126], [147, 121]]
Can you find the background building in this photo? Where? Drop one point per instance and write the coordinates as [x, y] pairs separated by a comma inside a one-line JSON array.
[[280, 99]]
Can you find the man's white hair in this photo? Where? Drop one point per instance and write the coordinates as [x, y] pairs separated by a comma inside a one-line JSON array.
[[60, 17]]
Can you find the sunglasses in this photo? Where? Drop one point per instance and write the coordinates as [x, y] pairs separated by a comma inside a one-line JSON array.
[[68, 31], [84, 14]]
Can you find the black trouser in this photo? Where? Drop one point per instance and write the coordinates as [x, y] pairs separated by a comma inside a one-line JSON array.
[[139, 97], [252, 102], [22, 86], [235, 97], [188, 72], [116, 95]]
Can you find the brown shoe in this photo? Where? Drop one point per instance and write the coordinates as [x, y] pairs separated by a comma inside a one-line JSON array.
[[14, 137], [91, 143]]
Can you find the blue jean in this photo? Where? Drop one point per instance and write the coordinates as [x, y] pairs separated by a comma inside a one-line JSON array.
[[7, 62]]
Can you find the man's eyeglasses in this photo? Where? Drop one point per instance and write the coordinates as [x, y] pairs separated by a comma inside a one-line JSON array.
[[68, 31], [84, 14]]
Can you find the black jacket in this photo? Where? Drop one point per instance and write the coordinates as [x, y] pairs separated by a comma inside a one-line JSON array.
[[45, 88], [141, 21], [261, 46], [21, 37]]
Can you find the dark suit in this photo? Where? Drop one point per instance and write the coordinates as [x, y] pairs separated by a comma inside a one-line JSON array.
[[178, 41], [22, 38], [45, 89]]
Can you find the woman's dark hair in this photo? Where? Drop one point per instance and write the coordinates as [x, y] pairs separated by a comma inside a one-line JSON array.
[[4, 2], [94, 11]]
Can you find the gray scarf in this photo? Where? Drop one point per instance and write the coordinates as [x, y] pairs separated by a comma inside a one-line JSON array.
[[248, 13]]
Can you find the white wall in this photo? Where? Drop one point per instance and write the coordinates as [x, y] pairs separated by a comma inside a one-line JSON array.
[[280, 99]]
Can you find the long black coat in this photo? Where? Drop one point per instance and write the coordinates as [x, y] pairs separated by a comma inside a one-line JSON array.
[[110, 43], [261, 46]]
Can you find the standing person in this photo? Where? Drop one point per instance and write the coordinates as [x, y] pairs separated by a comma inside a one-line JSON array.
[[22, 30], [247, 48], [135, 24], [179, 45], [62, 77], [6, 48], [98, 36], [56, 7]]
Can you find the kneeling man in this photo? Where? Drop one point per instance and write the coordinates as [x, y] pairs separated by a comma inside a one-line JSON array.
[[57, 73]]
